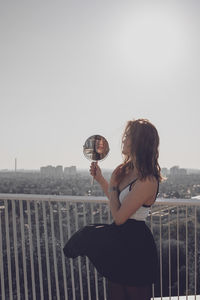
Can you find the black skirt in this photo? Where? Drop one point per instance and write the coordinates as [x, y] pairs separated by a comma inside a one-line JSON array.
[[124, 254]]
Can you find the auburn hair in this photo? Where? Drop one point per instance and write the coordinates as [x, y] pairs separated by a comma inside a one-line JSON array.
[[144, 140]]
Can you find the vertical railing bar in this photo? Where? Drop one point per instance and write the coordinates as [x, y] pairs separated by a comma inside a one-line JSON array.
[[62, 255], [16, 248], [186, 251], [169, 234], [54, 251], [23, 248], [39, 250], [87, 261], [2, 264], [151, 226], [109, 219], [161, 286], [71, 260], [195, 253], [46, 249], [109, 214], [104, 281], [79, 259], [31, 251], [8, 251], [178, 251], [95, 271]]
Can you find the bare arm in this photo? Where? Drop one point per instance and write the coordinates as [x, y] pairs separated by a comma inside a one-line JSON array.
[[142, 192], [104, 185]]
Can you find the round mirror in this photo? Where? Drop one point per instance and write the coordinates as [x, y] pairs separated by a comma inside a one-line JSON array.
[[96, 148]]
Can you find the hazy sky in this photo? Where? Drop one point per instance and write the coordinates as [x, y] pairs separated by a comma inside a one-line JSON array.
[[71, 69]]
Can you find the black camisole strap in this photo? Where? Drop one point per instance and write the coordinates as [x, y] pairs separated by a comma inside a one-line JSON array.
[[157, 189], [131, 183]]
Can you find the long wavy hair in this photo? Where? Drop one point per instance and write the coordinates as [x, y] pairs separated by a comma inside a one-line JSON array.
[[144, 149]]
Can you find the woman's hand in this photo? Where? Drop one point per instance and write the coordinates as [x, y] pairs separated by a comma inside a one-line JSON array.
[[115, 173], [95, 171]]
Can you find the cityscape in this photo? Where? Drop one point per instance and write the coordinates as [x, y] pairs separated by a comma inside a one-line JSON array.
[[58, 180]]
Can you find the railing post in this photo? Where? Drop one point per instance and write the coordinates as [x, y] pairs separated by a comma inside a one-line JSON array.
[[2, 264], [8, 251]]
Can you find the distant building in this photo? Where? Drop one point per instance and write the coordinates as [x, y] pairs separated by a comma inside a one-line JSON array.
[[70, 171], [50, 171], [182, 171], [59, 171], [176, 171], [193, 171]]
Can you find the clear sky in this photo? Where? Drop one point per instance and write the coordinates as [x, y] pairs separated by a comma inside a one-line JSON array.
[[71, 69]]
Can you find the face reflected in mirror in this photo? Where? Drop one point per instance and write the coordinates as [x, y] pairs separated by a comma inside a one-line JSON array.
[[96, 147]]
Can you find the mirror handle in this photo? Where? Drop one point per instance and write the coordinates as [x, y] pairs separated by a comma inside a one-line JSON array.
[[92, 180]]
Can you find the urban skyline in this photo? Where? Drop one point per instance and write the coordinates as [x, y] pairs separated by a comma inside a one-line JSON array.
[[64, 169]]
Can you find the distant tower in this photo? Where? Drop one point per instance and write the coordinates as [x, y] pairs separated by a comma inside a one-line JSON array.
[[15, 165]]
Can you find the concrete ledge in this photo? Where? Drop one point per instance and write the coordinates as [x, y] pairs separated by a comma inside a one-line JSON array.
[[191, 297]]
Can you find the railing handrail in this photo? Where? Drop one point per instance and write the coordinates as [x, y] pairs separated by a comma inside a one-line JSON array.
[[93, 199]]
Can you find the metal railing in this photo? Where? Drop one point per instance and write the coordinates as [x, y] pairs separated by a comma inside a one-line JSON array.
[[34, 229]]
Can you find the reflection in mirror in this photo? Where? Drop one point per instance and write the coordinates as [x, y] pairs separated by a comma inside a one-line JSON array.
[[96, 148]]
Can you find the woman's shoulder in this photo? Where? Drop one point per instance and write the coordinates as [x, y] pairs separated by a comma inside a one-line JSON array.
[[148, 179], [149, 182]]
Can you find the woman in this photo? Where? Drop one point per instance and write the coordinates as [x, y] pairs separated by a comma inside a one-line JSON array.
[[124, 251], [100, 148]]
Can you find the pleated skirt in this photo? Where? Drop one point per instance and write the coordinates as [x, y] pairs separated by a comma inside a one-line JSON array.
[[124, 254]]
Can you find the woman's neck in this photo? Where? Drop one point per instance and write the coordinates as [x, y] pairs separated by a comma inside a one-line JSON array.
[[132, 172], [135, 173], [135, 170]]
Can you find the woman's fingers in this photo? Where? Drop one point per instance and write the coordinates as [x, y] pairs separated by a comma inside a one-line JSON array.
[[93, 168]]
